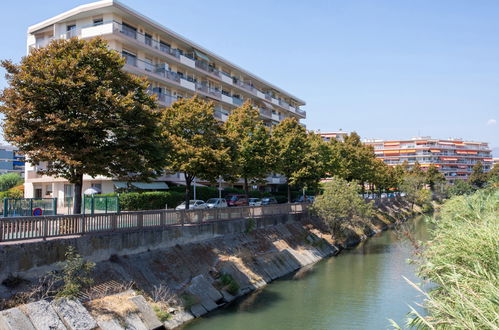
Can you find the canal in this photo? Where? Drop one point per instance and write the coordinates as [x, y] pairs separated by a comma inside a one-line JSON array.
[[359, 289]]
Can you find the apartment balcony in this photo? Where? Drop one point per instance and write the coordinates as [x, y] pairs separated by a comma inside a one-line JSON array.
[[265, 113], [237, 101], [163, 99], [220, 115], [209, 90], [116, 28]]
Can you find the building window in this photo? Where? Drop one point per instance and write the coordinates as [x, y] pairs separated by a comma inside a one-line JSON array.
[[98, 21], [129, 30], [71, 31], [129, 58], [148, 39], [38, 193]]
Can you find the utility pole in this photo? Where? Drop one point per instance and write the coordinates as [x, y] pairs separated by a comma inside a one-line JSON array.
[[194, 182]]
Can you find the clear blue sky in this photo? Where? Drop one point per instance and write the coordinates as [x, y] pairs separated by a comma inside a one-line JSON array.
[[386, 69]]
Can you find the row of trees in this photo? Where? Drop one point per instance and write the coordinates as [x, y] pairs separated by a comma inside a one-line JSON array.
[[72, 106]]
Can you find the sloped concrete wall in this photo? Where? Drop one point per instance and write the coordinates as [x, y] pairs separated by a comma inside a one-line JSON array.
[[30, 260]]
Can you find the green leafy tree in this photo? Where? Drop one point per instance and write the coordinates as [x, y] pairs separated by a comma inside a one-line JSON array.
[[289, 145], [250, 142], [198, 148], [340, 204], [461, 187], [411, 186], [433, 177], [478, 178], [352, 160], [71, 106], [10, 180], [314, 163], [493, 175]]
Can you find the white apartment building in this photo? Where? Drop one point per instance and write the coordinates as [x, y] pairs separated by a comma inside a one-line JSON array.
[[176, 68]]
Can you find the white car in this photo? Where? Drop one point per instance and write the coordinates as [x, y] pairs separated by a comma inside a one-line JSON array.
[[254, 202], [193, 205], [216, 202]]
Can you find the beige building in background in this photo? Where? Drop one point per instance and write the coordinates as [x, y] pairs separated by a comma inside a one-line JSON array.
[[175, 67]]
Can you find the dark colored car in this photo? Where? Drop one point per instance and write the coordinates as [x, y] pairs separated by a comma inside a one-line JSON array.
[[237, 200], [269, 200]]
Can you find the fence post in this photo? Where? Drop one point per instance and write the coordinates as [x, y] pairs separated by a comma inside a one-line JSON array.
[[114, 221], [162, 216], [83, 223], [45, 228], [5, 206], [140, 220]]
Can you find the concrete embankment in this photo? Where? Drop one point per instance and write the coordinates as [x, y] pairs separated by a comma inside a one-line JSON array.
[[202, 267]]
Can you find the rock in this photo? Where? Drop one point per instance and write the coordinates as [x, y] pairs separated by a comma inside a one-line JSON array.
[[198, 310], [179, 318], [131, 322], [146, 312], [14, 319], [74, 315], [204, 290], [227, 296], [43, 316]]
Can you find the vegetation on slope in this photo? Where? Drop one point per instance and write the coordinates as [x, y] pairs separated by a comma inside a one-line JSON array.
[[462, 259]]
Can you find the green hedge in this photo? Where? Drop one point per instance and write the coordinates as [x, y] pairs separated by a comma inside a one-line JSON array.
[[153, 200]]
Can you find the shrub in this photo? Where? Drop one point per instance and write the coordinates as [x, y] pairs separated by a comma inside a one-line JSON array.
[[340, 204], [229, 283], [75, 274], [154, 200]]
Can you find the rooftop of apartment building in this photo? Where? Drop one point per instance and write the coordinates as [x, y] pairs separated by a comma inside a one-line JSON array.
[[113, 6], [428, 139]]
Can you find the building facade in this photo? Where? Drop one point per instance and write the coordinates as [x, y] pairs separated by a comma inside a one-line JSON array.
[[338, 136], [175, 67], [454, 158], [11, 161]]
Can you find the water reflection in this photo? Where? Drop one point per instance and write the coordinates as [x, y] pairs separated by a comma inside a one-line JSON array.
[[359, 289]]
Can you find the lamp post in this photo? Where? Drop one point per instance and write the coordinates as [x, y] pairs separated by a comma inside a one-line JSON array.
[[219, 186], [194, 182]]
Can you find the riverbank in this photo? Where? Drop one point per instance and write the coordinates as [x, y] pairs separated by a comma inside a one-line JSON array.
[[205, 275]]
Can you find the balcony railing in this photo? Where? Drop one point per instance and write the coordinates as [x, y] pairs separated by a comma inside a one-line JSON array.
[[117, 27]]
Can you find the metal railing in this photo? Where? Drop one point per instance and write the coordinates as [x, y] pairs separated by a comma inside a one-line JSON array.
[[25, 228]]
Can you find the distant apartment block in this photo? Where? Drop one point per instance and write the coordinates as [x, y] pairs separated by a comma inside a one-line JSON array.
[[338, 136], [453, 157], [175, 67], [11, 161]]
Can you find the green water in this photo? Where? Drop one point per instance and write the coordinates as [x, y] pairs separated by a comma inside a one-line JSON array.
[[359, 289]]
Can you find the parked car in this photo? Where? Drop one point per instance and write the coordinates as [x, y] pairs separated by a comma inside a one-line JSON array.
[[193, 204], [269, 200], [255, 202], [216, 203], [305, 199], [237, 200]]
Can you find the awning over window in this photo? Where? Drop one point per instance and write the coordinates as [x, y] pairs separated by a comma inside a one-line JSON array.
[[201, 55], [142, 185]]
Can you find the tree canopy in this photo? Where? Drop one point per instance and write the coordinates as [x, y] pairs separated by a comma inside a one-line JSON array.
[[196, 140], [71, 106], [250, 141]]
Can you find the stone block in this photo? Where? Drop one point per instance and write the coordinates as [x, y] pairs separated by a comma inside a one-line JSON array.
[[43, 316], [147, 314], [74, 315], [14, 319], [198, 310], [178, 318]]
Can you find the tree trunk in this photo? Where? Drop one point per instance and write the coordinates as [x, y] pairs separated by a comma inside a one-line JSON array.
[[188, 181], [78, 183], [289, 193], [246, 190]]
